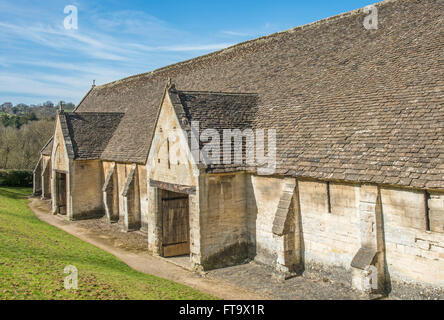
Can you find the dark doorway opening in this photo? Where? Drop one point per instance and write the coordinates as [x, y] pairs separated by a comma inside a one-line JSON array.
[[61, 191], [175, 224]]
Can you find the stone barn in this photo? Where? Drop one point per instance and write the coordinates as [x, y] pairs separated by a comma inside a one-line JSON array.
[[357, 187]]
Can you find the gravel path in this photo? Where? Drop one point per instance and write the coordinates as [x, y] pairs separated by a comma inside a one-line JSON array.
[[244, 282], [138, 259], [258, 278]]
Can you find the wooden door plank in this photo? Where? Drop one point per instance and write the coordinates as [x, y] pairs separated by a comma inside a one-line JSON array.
[[175, 226]]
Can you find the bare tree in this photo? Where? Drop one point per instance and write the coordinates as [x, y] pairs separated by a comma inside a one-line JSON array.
[[8, 140], [20, 148]]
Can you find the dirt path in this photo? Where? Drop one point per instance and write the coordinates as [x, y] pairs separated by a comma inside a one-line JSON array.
[[146, 263]]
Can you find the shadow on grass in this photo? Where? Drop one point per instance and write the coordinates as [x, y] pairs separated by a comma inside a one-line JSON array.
[[14, 192]]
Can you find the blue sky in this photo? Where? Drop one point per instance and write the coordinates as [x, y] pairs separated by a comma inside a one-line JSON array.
[[40, 60]]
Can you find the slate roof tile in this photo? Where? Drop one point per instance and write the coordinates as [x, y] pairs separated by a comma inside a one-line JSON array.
[[369, 99], [90, 132]]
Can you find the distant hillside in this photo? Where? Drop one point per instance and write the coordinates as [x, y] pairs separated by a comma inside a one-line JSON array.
[[16, 116], [24, 130]]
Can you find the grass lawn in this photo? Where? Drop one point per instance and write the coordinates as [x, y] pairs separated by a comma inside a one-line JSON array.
[[33, 256]]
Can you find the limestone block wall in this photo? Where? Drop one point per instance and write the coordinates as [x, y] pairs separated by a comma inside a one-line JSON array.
[[157, 171], [331, 239], [267, 192], [436, 212], [60, 160], [123, 170], [170, 158], [131, 201], [317, 238], [136, 199], [86, 189], [61, 163], [252, 212], [223, 219], [339, 221], [143, 196], [37, 179], [276, 229], [46, 175], [154, 221], [106, 166], [110, 192], [195, 227], [154, 218], [170, 162], [413, 255]]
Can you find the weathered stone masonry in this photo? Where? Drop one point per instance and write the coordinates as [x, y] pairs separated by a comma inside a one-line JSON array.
[[359, 180]]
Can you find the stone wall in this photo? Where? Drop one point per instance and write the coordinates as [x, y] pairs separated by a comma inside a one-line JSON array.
[[414, 256], [110, 191], [339, 222], [223, 220], [169, 162], [122, 170], [37, 179], [252, 213], [267, 192], [277, 227], [330, 229], [86, 189], [46, 175], [143, 196], [331, 239], [325, 241], [60, 162], [138, 194], [131, 201]]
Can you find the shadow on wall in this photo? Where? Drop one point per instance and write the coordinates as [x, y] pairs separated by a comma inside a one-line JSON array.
[[252, 217], [387, 279]]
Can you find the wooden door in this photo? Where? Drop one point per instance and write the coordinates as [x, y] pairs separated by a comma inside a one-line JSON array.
[[176, 229], [61, 193]]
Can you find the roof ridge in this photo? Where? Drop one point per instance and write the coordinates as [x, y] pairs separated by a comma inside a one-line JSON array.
[[94, 112], [243, 44], [220, 93]]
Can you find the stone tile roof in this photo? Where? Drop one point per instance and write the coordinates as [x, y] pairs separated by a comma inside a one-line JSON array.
[[90, 132], [218, 111], [348, 103]]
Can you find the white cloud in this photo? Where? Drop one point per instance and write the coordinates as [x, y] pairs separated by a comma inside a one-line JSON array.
[[67, 40], [42, 59], [23, 85], [236, 33], [85, 68], [203, 47], [132, 22], [181, 48]]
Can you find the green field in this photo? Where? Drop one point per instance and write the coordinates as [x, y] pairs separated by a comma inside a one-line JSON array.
[[33, 256]]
